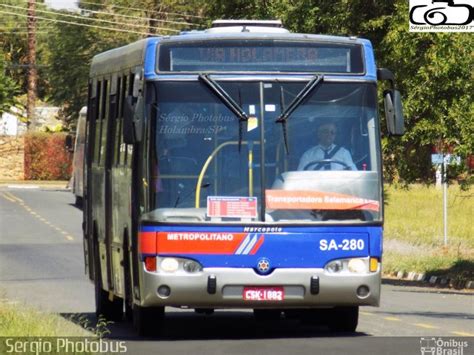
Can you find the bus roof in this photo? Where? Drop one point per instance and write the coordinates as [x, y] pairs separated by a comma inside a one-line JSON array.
[[136, 53]]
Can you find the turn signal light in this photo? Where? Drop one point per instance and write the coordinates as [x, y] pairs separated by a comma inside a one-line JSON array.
[[374, 264], [150, 263]]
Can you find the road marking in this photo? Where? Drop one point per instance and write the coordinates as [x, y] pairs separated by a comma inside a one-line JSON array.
[[463, 334], [425, 325], [393, 319], [12, 198], [23, 186], [8, 198], [421, 325]]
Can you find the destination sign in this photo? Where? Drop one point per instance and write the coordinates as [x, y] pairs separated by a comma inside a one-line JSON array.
[[258, 55]]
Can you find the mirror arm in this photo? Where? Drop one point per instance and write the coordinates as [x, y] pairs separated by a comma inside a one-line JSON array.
[[386, 74]]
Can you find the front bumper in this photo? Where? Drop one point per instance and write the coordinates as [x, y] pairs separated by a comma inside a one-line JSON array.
[[191, 290]]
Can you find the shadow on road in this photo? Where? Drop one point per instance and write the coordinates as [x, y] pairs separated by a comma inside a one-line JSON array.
[[79, 207], [222, 325]]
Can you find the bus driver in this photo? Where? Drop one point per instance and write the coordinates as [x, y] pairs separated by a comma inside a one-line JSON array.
[[326, 155]]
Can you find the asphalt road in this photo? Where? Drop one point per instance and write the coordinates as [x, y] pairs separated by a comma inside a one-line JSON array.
[[41, 264]]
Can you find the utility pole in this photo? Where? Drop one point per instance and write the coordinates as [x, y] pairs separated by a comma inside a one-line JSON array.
[[32, 71]]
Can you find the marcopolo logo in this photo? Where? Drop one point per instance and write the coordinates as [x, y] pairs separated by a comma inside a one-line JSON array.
[[441, 16], [442, 346]]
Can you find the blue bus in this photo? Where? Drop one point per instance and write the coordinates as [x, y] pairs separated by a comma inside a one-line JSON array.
[[236, 167]]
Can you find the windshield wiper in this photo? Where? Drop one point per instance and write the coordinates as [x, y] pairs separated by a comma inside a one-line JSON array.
[[227, 100], [286, 112]]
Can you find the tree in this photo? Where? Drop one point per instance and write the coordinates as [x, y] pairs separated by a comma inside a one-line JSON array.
[[13, 52], [8, 88], [434, 73], [71, 48]]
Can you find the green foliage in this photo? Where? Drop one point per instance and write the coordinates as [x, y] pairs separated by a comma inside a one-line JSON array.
[[434, 73], [70, 51], [13, 47], [8, 88]]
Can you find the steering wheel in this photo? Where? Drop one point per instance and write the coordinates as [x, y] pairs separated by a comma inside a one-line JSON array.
[[324, 162]]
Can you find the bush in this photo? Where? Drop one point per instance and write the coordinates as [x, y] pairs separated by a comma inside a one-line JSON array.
[[46, 157]]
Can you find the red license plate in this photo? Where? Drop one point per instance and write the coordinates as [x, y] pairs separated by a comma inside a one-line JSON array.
[[263, 294]]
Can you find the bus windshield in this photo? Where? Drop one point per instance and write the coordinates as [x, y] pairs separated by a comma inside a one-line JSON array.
[[319, 165]]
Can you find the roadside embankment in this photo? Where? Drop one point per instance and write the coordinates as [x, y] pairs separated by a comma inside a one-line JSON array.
[[414, 245]]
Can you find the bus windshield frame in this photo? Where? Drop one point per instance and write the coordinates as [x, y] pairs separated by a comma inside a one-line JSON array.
[[189, 149]]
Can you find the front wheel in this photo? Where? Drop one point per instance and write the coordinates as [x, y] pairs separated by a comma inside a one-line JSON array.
[[343, 319]]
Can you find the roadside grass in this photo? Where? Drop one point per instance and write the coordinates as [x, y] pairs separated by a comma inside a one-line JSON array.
[[413, 232], [20, 320], [24, 329]]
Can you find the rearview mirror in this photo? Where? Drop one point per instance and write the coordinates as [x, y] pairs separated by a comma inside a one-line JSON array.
[[394, 112]]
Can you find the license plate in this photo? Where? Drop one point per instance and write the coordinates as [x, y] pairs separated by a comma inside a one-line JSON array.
[[263, 294]]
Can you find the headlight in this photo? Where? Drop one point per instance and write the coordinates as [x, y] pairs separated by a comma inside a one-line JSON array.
[[357, 266], [178, 265], [191, 266], [334, 266], [353, 266], [169, 265]]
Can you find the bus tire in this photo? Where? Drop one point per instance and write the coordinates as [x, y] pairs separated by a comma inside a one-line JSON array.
[[343, 319], [78, 202], [267, 315], [111, 310], [148, 321]]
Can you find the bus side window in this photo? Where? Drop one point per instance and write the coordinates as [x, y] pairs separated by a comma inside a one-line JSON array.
[[126, 89], [118, 122], [105, 100], [98, 125]]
